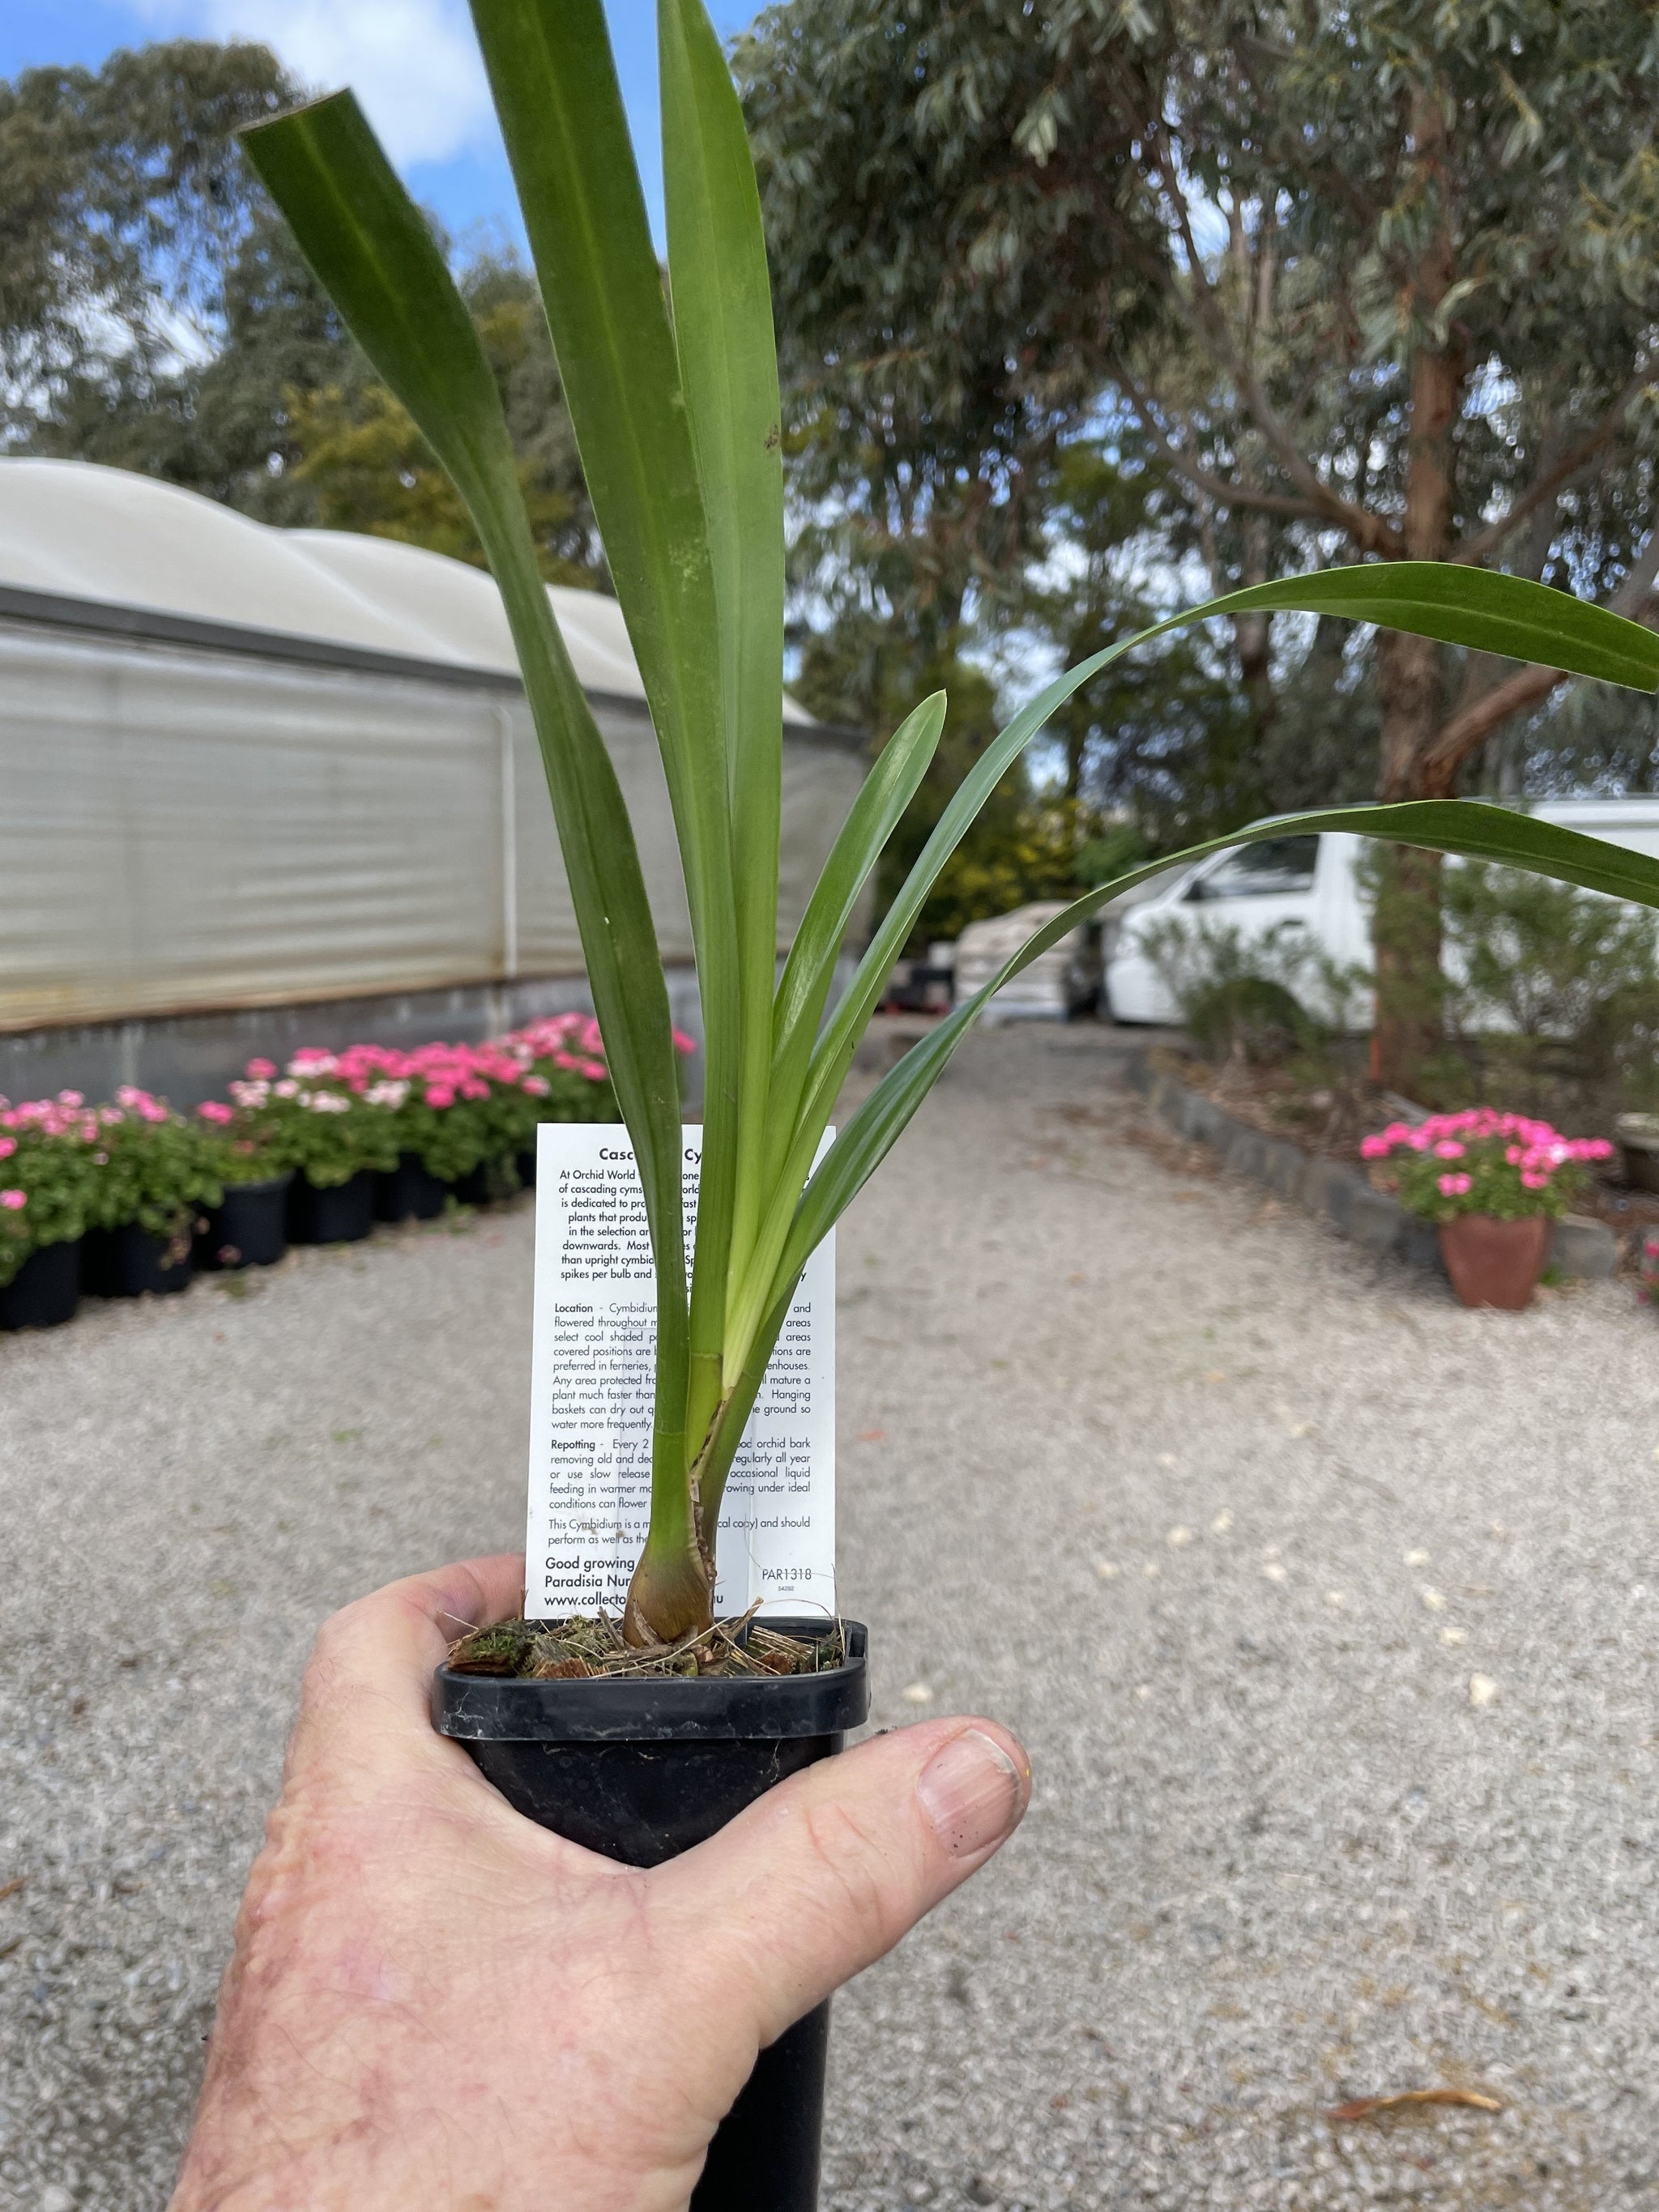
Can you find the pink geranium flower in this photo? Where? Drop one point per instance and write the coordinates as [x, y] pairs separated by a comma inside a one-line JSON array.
[[1453, 1185], [13, 1201]]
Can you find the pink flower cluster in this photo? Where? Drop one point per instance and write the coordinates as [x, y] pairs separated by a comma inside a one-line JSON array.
[[1533, 1147], [441, 1073], [68, 1114]]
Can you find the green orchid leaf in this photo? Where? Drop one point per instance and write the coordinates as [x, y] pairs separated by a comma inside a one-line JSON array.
[[561, 116], [1462, 606], [723, 323], [1441, 825], [375, 257], [804, 987]]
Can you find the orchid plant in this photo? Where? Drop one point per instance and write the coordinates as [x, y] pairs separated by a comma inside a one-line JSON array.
[[673, 391]]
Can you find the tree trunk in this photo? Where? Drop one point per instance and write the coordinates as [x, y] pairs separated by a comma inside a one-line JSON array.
[[1410, 674]]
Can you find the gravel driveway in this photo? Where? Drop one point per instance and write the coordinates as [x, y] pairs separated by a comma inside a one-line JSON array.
[[1325, 1607]]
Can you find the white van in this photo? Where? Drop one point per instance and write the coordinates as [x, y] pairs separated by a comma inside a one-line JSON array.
[[1306, 881]]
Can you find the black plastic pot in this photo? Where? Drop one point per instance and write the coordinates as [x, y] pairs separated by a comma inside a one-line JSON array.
[[338, 1214], [640, 1770], [46, 1291], [129, 1262], [410, 1192], [526, 1166], [486, 1184], [248, 1228]]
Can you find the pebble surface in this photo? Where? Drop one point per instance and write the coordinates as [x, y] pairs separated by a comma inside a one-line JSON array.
[[1326, 1609]]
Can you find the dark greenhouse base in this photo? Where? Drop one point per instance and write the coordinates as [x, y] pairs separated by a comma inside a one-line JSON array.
[[130, 1263], [341, 1213], [249, 1227], [46, 1291], [644, 1769]]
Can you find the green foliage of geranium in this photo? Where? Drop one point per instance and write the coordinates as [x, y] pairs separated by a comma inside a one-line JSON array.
[[154, 1171], [49, 1154]]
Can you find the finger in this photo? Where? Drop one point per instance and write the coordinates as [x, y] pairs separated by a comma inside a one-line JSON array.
[[824, 1873], [374, 1660]]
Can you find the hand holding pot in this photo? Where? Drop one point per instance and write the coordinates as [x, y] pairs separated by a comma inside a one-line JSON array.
[[433, 2002]]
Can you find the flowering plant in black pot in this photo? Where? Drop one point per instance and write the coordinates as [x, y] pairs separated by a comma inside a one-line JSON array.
[[48, 1164], [155, 1177], [673, 394]]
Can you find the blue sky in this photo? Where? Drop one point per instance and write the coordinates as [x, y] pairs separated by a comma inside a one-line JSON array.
[[411, 62]]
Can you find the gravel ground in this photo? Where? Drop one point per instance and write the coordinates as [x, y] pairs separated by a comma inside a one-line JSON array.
[[1320, 1603]]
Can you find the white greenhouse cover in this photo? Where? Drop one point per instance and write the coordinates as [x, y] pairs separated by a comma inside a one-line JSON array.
[[212, 800], [89, 533]]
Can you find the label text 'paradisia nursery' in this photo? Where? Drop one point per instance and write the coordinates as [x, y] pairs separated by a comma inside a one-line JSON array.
[[591, 1403]]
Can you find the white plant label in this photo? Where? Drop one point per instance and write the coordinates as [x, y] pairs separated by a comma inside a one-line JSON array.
[[591, 1403]]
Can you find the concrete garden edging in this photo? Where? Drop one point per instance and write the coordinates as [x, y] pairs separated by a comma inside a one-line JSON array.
[[1340, 1194]]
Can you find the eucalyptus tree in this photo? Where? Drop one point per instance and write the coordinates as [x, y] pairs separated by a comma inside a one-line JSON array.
[[1379, 280]]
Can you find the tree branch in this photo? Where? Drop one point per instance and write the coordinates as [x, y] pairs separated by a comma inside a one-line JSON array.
[[1474, 724], [1219, 488], [1550, 480], [1369, 532]]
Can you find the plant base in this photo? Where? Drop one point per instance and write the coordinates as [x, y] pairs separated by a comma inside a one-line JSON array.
[[248, 1228], [46, 1291], [641, 1768], [340, 1213], [130, 1263], [1492, 1262]]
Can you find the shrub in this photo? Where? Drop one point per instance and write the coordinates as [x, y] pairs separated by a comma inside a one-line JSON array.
[[307, 1121], [1556, 990], [1481, 1162], [1238, 995], [48, 1156], [154, 1169]]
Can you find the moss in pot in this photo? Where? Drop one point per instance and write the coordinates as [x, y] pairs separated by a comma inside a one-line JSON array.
[[677, 421]]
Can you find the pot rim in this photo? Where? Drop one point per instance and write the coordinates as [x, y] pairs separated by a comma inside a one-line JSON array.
[[660, 1709]]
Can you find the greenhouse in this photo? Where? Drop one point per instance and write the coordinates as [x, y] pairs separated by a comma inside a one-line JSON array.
[[281, 785]]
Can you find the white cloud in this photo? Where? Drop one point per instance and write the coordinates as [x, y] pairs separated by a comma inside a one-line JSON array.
[[413, 64]]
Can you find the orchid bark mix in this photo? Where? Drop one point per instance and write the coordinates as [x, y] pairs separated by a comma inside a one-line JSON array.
[[674, 397]]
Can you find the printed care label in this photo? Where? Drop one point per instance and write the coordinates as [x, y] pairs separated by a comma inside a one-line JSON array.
[[591, 1403]]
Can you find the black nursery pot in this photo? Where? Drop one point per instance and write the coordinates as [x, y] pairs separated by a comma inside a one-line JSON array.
[[129, 1262], [488, 1183], [641, 1770], [410, 1192], [339, 1213], [248, 1228], [46, 1291]]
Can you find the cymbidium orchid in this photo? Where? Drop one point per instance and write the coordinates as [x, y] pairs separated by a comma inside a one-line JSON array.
[[673, 393]]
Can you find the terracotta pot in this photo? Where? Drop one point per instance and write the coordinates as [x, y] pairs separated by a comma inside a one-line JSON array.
[[1495, 1263]]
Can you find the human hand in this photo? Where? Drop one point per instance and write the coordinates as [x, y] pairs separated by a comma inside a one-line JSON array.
[[433, 2003]]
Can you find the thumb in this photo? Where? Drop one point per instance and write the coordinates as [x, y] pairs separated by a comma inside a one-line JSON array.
[[824, 1874]]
